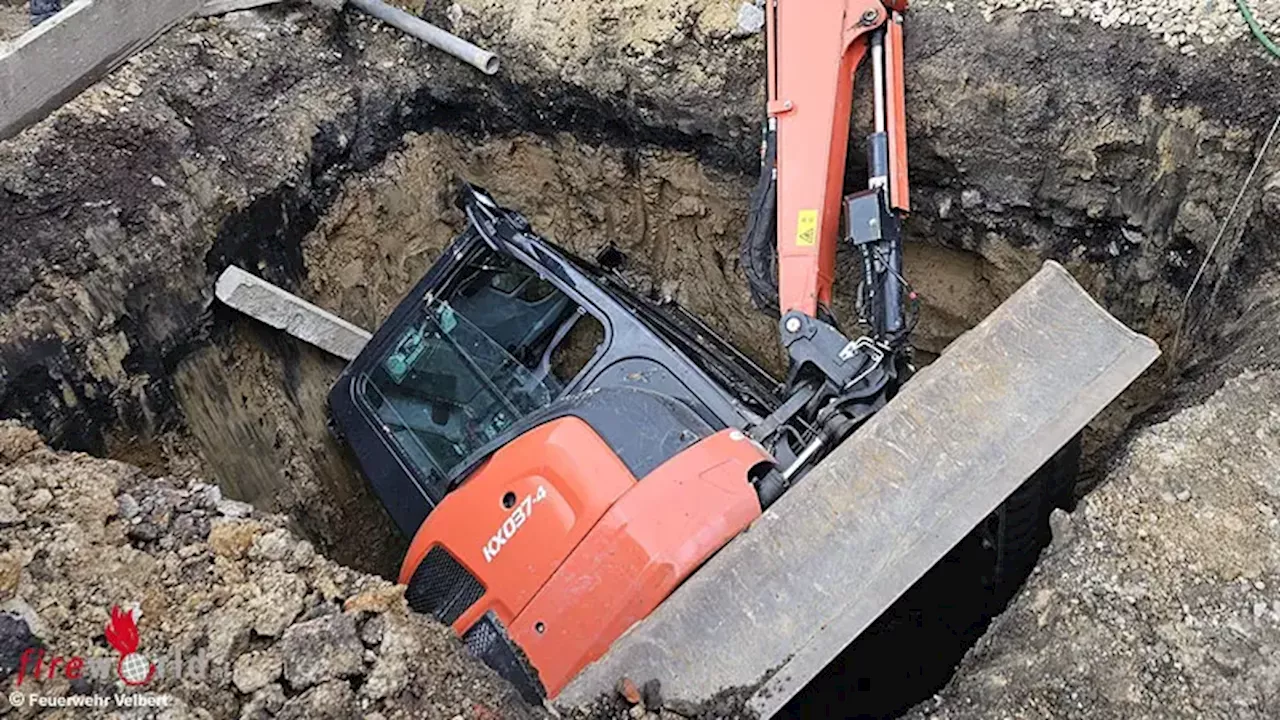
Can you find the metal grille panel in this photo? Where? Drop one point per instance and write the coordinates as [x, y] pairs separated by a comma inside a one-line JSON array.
[[481, 638], [442, 587], [487, 639]]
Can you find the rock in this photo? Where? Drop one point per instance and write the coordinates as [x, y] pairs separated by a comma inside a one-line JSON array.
[[399, 650], [233, 538], [144, 530], [10, 575], [228, 635], [321, 649], [303, 556], [335, 586], [15, 637], [16, 440], [255, 670], [21, 609], [264, 704], [652, 693], [128, 507], [188, 529], [193, 550], [272, 617], [1060, 526], [273, 546], [9, 514], [377, 600], [38, 500], [234, 508], [628, 690], [206, 496], [279, 603], [332, 700], [750, 20], [945, 206]]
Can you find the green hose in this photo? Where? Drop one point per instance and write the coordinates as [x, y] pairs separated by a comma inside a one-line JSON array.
[[1267, 42]]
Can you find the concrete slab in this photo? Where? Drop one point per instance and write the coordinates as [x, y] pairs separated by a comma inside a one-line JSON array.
[[283, 310], [53, 62]]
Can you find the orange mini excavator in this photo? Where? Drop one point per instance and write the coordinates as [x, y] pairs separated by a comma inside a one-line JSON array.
[[598, 486]]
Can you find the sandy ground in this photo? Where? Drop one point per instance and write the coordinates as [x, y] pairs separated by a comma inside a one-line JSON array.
[[14, 21], [678, 222]]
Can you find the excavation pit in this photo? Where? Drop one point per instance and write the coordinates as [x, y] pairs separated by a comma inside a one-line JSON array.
[[302, 148]]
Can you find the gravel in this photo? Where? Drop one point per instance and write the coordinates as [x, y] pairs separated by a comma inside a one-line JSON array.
[[1183, 24], [243, 619]]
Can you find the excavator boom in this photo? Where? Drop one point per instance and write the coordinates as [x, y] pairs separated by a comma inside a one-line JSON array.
[[814, 50]]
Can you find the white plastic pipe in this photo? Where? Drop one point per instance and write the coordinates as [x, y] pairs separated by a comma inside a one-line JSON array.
[[478, 57]]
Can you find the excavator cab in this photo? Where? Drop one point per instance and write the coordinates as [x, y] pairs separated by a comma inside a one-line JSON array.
[[471, 362], [508, 331], [523, 408]]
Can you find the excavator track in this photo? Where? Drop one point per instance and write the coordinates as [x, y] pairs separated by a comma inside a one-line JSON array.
[[781, 600]]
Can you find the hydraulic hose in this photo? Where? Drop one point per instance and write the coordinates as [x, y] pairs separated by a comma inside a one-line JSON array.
[[1256, 28]]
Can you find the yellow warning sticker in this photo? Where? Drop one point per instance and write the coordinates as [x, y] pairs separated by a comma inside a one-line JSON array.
[[807, 228]]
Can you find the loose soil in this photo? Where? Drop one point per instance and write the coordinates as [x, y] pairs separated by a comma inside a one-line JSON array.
[[14, 21]]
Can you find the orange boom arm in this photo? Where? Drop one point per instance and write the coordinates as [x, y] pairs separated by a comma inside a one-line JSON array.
[[814, 49]]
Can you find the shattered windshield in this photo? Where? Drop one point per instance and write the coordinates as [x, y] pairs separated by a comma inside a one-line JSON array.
[[446, 388]]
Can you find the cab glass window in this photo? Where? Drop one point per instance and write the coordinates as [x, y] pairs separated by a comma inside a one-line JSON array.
[[499, 343]]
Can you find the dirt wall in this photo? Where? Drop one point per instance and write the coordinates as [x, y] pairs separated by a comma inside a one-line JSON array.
[[1158, 596], [277, 140]]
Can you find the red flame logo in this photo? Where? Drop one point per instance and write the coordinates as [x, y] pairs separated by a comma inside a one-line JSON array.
[[122, 632]]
